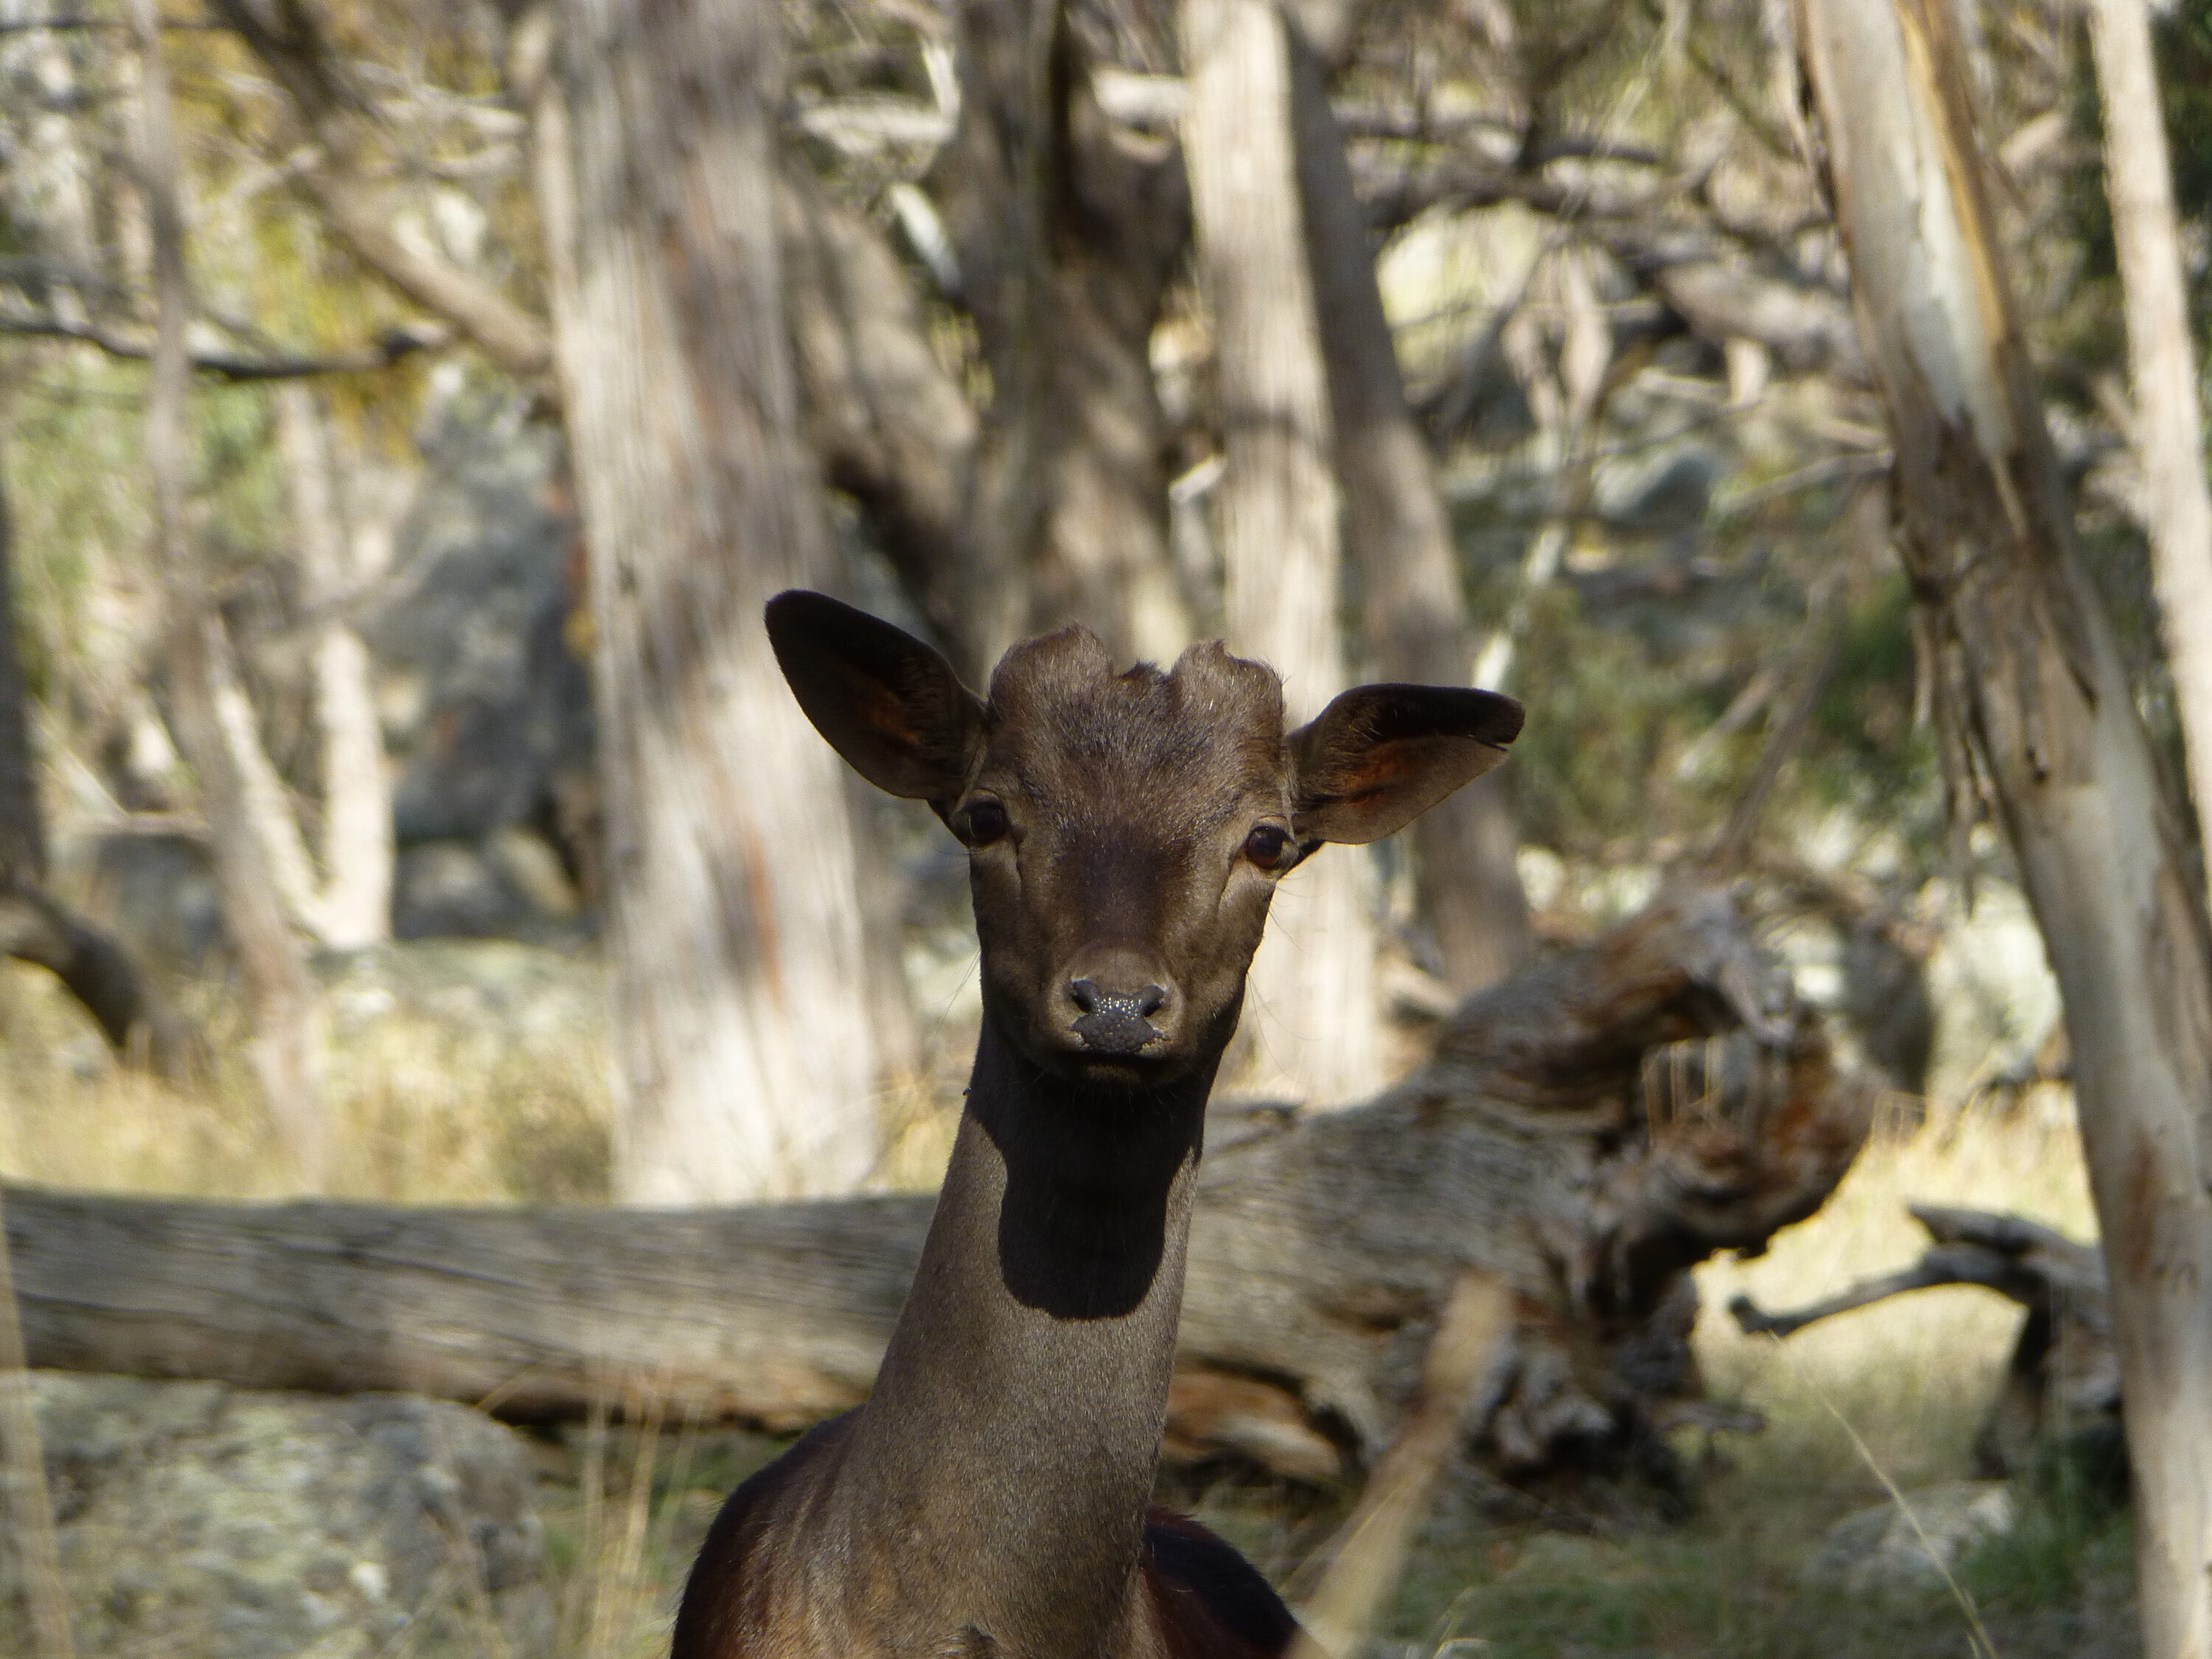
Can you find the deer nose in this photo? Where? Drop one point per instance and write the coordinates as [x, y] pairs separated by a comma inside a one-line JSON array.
[[1115, 1022]]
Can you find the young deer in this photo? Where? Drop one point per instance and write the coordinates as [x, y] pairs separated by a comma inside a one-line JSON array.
[[1125, 834]]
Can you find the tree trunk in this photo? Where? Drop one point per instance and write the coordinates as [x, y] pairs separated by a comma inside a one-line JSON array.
[[1068, 235], [268, 803], [1414, 611], [893, 428], [2169, 429], [1588, 1130], [285, 1013], [2034, 697], [746, 1064], [22, 825], [1311, 1025], [353, 907]]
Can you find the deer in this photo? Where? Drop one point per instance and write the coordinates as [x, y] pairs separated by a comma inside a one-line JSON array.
[[1125, 833]]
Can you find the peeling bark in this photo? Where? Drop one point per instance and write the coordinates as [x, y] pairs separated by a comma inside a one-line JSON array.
[[2031, 693], [2169, 427]]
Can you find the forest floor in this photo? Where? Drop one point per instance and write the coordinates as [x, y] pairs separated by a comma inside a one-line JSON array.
[[1888, 1397]]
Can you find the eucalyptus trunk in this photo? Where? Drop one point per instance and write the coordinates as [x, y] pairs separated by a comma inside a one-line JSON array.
[[353, 903], [1414, 611], [746, 1057], [2032, 697], [2169, 427], [285, 1011], [1311, 1023], [1068, 236]]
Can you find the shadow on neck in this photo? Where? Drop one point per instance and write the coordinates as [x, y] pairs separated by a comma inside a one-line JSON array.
[[1090, 1169]]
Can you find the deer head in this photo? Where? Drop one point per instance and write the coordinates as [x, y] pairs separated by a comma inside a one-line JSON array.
[[1124, 831]]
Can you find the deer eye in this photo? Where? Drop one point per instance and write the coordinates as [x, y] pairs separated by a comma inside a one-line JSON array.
[[982, 822], [1270, 847]]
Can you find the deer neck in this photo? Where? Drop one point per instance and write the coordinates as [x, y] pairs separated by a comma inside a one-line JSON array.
[[1002, 1466]]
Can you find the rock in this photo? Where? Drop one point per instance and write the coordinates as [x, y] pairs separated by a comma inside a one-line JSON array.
[[484, 696], [200, 1519], [1882, 1548], [510, 886], [152, 885], [475, 1000]]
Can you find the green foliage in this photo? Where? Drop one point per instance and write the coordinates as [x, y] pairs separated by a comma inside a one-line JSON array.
[[1729, 1586], [1865, 753], [1585, 760]]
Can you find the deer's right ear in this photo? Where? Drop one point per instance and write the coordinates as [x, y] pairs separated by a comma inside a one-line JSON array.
[[890, 705]]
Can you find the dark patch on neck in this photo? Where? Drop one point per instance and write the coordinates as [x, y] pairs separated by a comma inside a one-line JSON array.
[[1083, 1224]]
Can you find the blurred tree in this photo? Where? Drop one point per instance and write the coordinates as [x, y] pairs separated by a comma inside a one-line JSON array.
[[746, 1056], [894, 429], [294, 42], [1069, 234], [347, 903], [2168, 434], [353, 906], [1413, 610], [286, 1012], [2033, 700], [1312, 1022]]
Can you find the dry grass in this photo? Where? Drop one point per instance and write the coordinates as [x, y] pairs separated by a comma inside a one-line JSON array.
[[1909, 1378], [429, 1108], [1913, 1373]]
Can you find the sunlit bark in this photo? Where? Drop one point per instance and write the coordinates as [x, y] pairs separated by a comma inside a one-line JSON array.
[[1310, 1019], [353, 904], [1414, 613], [2169, 428], [2032, 697], [746, 1060]]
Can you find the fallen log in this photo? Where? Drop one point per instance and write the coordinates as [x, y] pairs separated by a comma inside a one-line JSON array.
[[2062, 1384], [1587, 1130]]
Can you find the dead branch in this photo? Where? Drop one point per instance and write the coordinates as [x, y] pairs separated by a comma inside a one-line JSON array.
[[292, 45], [2063, 1379], [394, 345]]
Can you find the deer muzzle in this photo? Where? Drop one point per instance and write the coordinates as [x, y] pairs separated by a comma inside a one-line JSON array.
[[1115, 1022]]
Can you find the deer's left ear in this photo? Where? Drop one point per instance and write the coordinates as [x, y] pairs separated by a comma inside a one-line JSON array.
[[887, 704], [1380, 755]]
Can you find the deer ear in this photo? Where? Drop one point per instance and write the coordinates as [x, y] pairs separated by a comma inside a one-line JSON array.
[[1380, 755], [892, 706]]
